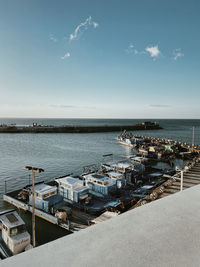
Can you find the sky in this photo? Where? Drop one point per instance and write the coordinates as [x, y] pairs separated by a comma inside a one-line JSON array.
[[100, 58]]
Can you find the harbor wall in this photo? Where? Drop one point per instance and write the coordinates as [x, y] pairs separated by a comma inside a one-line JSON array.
[[76, 129]]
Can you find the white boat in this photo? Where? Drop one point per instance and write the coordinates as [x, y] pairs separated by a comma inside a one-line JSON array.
[[14, 237], [129, 140]]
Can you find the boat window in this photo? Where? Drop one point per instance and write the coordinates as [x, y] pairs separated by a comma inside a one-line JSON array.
[[49, 194], [38, 195], [17, 230], [13, 231]]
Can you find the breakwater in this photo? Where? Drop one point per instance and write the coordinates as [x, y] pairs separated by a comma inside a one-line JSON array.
[[78, 129]]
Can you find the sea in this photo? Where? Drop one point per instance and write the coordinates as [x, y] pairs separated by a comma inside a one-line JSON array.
[[68, 153]]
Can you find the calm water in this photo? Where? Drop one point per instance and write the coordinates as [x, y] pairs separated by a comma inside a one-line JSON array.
[[60, 154]]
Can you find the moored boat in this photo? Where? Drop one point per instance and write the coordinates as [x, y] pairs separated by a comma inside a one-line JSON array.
[[14, 237]]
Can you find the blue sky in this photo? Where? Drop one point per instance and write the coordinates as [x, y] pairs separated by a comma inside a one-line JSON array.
[[100, 59]]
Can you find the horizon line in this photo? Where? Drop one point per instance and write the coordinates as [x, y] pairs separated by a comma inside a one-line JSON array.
[[102, 118]]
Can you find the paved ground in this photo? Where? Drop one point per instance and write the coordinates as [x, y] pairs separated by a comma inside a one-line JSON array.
[[165, 232]]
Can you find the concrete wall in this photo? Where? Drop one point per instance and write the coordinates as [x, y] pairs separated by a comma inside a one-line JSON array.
[[165, 232]]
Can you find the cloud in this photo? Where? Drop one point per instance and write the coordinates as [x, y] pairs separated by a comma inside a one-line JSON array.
[[71, 106], [63, 106], [95, 24], [153, 51], [177, 54], [131, 50], [52, 38], [66, 55], [159, 106], [82, 27]]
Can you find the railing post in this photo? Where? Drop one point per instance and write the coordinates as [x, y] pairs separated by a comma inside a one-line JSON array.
[[181, 189]]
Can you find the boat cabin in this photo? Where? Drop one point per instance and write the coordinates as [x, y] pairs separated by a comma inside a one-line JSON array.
[[118, 178], [128, 169], [119, 166], [137, 141], [46, 197], [100, 183], [72, 189], [13, 232]]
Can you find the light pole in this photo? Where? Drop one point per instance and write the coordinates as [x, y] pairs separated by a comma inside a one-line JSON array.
[[193, 136], [181, 179], [34, 170]]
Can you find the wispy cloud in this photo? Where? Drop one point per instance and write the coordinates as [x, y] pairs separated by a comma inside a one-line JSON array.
[[82, 27], [71, 106], [66, 55], [52, 38], [95, 24], [153, 51], [177, 54], [131, 50], [63, 106], [159, 106]]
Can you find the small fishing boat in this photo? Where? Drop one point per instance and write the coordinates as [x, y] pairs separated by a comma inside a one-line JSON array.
[[14, 238]]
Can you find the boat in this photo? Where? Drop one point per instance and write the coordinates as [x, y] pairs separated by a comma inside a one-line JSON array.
[[91, 194], [14, 238], [129, 139]]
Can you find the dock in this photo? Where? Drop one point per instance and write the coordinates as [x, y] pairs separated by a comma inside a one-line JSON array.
[[156, 140]]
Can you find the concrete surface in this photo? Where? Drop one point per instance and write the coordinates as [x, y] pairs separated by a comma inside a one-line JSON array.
[[165, 232]]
